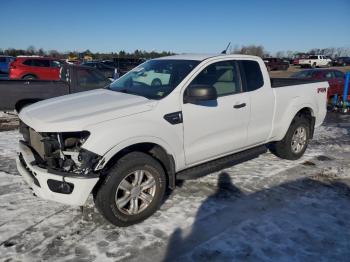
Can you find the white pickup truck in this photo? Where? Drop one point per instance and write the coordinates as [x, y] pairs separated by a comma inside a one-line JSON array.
[[126, 144], [315, 61]]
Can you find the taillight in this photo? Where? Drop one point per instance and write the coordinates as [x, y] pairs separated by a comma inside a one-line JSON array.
[[12, 64]]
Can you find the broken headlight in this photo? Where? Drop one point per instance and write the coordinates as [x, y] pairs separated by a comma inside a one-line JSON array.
[[63, 152]]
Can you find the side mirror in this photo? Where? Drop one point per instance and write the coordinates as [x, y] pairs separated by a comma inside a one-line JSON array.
[[198, 93]]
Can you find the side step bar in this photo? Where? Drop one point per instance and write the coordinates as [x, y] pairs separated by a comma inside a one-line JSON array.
[[221, 163]]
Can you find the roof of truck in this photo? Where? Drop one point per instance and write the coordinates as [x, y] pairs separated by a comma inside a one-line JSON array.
[[201, 57]]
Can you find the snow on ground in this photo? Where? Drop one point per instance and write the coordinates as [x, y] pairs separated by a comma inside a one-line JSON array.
[[266, 209]]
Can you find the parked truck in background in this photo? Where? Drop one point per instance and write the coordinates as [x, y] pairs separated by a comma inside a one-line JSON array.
[[128, 143], [315, 61], [273, 64], [16, 94]]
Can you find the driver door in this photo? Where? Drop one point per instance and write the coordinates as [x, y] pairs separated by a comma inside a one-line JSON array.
[[216, 128]]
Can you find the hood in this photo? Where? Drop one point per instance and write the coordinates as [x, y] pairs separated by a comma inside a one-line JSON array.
[[76, 112]]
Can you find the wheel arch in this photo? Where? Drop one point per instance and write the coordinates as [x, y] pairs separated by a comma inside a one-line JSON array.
[[304, 110], [29, 74], [159, 151]]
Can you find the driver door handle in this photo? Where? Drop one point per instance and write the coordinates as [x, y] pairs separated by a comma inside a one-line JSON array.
[[239, 105]]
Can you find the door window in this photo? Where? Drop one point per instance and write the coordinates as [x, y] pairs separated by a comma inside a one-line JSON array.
[[223, 76], [328, 75]]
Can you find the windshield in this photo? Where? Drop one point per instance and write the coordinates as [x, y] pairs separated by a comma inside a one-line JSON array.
[[154, 79]]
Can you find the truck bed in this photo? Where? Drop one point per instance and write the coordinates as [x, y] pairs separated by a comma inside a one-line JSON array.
[[281, 82], [12, 91]]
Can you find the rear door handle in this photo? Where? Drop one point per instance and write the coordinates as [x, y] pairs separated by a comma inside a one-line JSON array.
[[239, 105]]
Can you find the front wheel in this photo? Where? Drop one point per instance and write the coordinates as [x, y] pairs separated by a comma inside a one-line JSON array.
[[29, 77], [295, 142], [132, 191]]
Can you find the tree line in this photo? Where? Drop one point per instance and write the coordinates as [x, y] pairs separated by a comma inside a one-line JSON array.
[[257, 50], [32, 51]]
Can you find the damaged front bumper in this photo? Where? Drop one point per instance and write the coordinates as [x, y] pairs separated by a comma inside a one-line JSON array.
[[64, 188]]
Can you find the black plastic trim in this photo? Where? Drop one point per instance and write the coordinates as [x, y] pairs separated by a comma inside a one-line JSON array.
[[221, 163], [174, 118]]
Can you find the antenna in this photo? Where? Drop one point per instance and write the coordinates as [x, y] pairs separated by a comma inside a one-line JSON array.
[[224, 52]]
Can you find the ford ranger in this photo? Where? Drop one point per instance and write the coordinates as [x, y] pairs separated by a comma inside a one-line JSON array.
[[126, 144]]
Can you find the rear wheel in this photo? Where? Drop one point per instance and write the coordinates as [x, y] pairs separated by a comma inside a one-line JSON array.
[[29, 77], [132, 191], [295, 142]]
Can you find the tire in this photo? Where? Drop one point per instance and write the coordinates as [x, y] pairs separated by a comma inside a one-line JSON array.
[[286, 148], [29, 77], [115, 186], [156, 82], [313, 65]]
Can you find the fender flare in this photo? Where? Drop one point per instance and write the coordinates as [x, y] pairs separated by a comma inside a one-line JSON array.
[[133, 141], [291, 116]]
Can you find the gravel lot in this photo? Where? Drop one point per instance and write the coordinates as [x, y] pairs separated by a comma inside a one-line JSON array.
[[266, 209]]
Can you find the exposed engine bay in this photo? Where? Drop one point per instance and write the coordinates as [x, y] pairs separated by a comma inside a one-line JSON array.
[[60, 152]]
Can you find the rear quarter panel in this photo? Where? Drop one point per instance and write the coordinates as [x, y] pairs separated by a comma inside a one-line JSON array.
[[291, 99]]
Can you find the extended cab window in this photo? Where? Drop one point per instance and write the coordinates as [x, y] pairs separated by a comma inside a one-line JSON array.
[[251, 73], [223, 76]]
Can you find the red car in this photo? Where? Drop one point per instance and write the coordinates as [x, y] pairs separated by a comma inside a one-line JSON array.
[[31, 68], [335, 79]]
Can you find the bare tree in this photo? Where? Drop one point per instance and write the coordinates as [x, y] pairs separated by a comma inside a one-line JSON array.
[[281, 54], [54, 53], [31, 50], [253, 50], [41, 52]]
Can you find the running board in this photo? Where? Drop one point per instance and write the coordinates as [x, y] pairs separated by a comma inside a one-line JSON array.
[[221, 163]]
